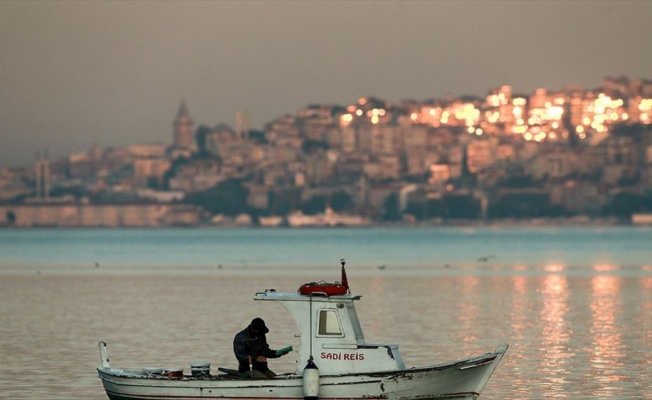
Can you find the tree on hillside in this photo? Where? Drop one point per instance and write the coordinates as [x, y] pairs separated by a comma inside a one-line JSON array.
[[228, 198], [390, 210], [314, 205], [341, 201], [200, 137], [624, 204]]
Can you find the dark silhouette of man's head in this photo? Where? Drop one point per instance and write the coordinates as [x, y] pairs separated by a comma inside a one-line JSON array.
[[258, 326]]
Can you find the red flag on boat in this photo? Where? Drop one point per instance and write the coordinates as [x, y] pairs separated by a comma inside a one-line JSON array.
[[345, 282]]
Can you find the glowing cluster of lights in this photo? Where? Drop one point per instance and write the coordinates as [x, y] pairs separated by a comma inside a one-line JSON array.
[[468, 114], [645, 105], [456, 114], [519, 108], [601, 113], [542, 120], [492, 116], [427, 115], [536, 123], [537, 137], [346, 119], [645, 110], [540, 116], [498, 99], [374, 115], [474, 130]]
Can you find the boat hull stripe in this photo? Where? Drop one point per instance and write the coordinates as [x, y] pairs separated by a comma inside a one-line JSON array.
[[118, 396]]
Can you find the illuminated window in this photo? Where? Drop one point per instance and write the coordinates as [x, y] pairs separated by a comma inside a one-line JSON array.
[[329, 323]]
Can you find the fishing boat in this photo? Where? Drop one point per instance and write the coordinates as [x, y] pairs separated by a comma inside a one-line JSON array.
[[334, 363]]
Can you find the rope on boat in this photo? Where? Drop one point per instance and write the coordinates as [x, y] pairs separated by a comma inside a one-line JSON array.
[[310, 359], [310, 375]]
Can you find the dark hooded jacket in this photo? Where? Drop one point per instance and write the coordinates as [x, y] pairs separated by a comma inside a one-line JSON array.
[[246, 344]]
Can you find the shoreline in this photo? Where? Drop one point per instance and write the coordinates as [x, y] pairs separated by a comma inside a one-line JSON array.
[[508, 222]]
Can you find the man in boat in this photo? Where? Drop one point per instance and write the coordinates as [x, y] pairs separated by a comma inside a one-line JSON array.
[[252, 351]]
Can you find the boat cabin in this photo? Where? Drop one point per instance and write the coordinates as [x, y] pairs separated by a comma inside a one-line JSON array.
[[330, 331]]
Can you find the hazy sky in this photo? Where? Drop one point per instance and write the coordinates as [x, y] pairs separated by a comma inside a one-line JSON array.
[[114, 73]]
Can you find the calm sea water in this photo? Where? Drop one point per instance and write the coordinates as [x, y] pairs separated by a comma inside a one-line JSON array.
[[574, 303]]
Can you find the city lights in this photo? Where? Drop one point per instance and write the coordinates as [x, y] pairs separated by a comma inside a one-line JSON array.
[[544, 110]]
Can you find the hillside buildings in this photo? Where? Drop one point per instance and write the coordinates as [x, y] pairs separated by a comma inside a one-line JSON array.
[[506, 155]]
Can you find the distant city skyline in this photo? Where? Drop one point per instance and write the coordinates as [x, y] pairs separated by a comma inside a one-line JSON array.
[[77, 73]]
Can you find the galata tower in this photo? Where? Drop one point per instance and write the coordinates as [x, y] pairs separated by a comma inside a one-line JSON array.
[[184, 129]]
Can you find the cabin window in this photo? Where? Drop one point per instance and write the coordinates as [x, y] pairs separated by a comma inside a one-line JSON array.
[[329, 324]]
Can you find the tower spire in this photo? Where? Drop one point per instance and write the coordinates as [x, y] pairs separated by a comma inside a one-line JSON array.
[[184, 130], [183, 111]]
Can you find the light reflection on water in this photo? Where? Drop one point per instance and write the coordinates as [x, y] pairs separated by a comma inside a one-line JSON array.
[[555, 333], [574, 305], [571, 337], [606, 357]]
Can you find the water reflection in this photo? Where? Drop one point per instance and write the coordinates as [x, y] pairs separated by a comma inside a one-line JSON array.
[[556, 331], [605, 331], [646, 283], [468, 316], [645, 288], [605, 267], [571, 336], [554, 268], [520, 308]]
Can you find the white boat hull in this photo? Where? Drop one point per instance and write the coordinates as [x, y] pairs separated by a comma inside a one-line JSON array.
[[462, 379]]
